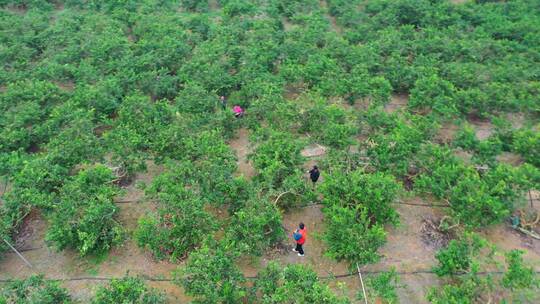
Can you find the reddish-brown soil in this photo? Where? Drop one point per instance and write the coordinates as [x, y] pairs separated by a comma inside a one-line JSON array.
[[66, 85], [446, 133], [23, 235], [406, 251], [242, 148], [510, 158], [506, 238], [397, 102], [463, 155], [483, 128], [313, 150]]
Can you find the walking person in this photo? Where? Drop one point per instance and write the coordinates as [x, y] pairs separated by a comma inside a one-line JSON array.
[[300, 237], [223, 102], [314, 175]]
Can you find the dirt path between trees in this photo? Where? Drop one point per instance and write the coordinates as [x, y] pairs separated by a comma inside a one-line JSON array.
[[406, 250], [331, 19], [241, 146]]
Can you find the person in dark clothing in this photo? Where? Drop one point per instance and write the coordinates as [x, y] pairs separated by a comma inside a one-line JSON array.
[[300, 238], [314, 175], [223, 102]]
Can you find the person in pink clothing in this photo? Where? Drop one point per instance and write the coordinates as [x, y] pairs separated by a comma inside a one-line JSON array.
[[238, 111]]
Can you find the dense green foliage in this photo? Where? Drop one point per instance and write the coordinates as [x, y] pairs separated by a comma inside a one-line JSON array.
[[174, 231], [199, 179], [128, 290], [358, 204], [256, 227], [359, 190], [527, 143], [85, 215], [35, 289], [351, 236], [518, 275], [211, 276], [295, 283], [476, 198], [218, 280], [382, 287], [462, 263], [276, 157], [457, 257], [329, 124]]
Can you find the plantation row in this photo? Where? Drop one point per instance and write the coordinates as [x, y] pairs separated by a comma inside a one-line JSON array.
[[91, 90]]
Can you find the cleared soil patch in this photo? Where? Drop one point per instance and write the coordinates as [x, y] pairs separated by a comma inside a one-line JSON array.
[[26, 231], [312, 217], [133, 191], [122, 260], [483, 128], [517, 120], [313, 150], [397, 102], [293, 90], [432, 235], [45, 261], [506, 239], [16, 9], [465, 156], [331, 19], [66, 85], [314, 248], [446, 133], [510, 158], [242, 148], [406, 251], [360, 104]]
